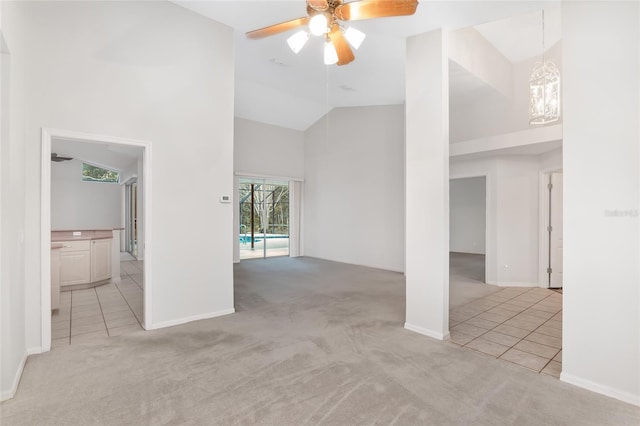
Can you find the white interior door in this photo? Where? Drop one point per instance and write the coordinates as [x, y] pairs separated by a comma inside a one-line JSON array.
[[555, 234]]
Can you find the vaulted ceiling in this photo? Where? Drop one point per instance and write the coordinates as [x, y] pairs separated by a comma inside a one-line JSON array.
[[275, 86]]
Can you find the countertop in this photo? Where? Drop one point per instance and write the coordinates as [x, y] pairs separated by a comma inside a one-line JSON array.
[[59, 236]]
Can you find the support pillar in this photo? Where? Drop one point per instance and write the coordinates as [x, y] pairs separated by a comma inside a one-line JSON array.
[[427, 184]]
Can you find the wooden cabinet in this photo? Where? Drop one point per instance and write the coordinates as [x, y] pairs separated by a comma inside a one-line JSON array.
[[85, 261], [100, 260], [75, 262]]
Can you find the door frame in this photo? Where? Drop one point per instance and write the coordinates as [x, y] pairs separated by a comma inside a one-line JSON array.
[[48, 135], [236, 205], [128, 224], [543, 234]]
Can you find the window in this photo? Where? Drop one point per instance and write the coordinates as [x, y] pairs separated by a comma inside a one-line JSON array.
[[91, 173]]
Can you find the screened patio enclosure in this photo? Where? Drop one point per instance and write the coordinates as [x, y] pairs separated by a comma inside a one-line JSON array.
[[264, 218]]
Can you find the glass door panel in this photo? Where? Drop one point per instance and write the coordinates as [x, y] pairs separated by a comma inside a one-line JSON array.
[[264, 218], [277, 212], [131, 219]]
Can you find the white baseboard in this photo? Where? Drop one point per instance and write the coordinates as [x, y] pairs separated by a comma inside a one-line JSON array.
[[10, 393], [34, 351], [171, 323], [382, 268], [426, 332], [601, 389], [513, 284]]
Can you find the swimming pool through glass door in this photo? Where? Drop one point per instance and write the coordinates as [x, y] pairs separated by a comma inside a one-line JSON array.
[[264, 218]]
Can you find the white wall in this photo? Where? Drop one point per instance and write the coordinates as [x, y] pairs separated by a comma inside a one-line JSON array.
[[467, 215], [489, 112], [263, 149], [601, 343], [354, 184], [13, 344], [517, 193], [82, 205], [469, 49], [135, 78]]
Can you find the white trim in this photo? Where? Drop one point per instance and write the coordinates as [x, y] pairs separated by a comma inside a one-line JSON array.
[[45, 220], [513, 284], [35, 351], [16, 380], [538, 135], [601, 389], [191, 319], [45, 241], [250, 175], [543, 235], [425, 332], [354, 264]]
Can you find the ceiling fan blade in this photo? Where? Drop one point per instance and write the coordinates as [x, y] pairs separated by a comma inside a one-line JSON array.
[[278, 28], [345, 54], [319, 5], [369, 9]]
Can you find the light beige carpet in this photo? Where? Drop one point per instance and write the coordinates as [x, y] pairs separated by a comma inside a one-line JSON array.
[[314, 342]]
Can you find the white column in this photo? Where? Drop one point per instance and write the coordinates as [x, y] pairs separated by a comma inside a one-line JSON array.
[[601, 318], [427, 185]]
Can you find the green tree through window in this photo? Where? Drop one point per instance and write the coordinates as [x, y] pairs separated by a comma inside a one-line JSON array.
[[98, 174]]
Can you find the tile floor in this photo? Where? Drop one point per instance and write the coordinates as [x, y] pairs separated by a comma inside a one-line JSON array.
[[95, 313], [519, 325]]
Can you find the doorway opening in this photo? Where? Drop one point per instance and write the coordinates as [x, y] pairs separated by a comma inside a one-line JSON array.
[[264, 218], [467, 240], [86, 261]]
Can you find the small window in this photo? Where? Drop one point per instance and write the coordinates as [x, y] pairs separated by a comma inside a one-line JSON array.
[[92, 173]]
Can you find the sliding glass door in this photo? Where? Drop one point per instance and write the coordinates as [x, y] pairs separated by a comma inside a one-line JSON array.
[[264, 218], [131, 218]]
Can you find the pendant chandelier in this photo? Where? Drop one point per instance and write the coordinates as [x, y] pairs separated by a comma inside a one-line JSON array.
[[544, 90]]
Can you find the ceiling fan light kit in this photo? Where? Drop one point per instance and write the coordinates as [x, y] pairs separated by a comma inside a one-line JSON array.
[[297, 41], [330, 54], [354, 37], [318, 25], [323, 22]]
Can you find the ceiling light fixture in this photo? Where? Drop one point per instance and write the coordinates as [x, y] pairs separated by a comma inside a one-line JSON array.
[[297, 41], [318, 25], [544, 90], [330, 54], [354, 37]]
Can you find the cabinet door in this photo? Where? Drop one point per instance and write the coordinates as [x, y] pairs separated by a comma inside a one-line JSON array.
[[100, 260], [75, 267]]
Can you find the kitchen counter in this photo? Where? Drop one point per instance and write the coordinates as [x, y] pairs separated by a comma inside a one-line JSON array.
[[60, 236]]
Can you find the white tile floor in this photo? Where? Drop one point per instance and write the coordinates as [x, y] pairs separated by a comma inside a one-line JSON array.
[[96, 313], [519, 325]]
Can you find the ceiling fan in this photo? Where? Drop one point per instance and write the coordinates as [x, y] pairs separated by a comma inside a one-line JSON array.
[[56, 158], [324, 18]]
